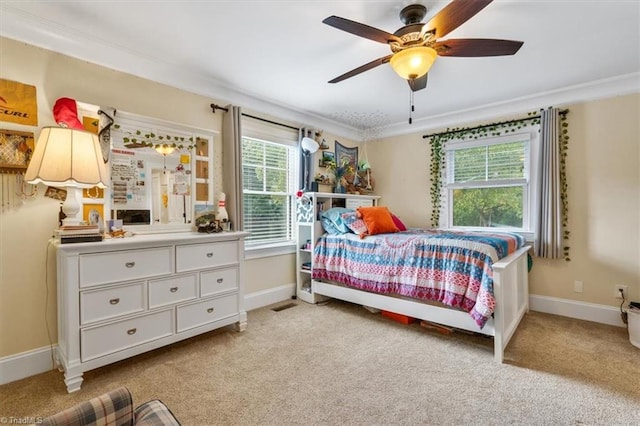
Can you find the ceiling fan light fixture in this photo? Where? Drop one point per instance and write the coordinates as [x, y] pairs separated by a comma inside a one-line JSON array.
[[413, 62]]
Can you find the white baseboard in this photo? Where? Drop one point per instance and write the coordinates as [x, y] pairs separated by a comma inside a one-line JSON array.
[[573, 309], [268, 297], [36, 361], [25, 364]]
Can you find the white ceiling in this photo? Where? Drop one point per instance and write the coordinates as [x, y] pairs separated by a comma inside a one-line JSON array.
[[277, 56]]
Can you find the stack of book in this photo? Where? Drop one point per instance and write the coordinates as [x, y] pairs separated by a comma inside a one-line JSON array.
[[78, 234]]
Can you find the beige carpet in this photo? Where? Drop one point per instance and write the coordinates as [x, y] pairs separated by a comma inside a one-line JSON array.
[[340, 364]]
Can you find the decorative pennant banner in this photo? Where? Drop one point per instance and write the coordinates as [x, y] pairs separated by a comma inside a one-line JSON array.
[[18, 103]]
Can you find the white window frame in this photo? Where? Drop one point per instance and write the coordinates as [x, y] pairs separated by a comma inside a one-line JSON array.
[[272, 134], [529, 183]]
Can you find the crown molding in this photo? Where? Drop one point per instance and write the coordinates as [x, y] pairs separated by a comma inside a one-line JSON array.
[[600, 89], [30, 29], [27, 28]]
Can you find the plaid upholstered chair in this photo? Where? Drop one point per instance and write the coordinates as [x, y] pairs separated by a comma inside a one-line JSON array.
[[114, 408]]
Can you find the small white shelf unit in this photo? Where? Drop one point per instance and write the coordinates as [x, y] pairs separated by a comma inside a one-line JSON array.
[[309, 229]]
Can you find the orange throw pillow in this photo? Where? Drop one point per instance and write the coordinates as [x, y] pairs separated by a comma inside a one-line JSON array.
[[378, 220]]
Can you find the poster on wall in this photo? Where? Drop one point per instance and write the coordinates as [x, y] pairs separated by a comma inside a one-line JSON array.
[[93, 214], [90, 124], [128, 177], [123, 176], [18, 103]]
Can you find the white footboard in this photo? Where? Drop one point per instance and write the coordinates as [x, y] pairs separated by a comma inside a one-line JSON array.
[[511, 288]]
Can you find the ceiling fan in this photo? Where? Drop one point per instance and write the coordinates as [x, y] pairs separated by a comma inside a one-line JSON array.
[[416, 46]]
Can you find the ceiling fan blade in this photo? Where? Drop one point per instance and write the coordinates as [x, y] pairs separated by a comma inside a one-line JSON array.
[[361, 30], [362, 69], [453, 15], [474, 47], [418, 83]]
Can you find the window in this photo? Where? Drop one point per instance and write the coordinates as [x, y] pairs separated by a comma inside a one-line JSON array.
[[269, 170], [489, 183]]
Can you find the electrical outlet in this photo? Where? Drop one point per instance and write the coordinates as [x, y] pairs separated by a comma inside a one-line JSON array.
[[577, 286], [617, 294]]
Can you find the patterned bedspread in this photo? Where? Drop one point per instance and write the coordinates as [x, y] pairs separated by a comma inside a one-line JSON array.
[[454, 268]]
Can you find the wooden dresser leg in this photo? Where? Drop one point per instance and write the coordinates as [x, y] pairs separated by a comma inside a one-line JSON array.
[[241, 325], [73, 381]]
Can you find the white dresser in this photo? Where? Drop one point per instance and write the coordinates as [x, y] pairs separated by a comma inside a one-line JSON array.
[[122, 297]]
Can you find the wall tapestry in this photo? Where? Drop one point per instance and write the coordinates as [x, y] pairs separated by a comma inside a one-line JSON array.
[[346, 155]]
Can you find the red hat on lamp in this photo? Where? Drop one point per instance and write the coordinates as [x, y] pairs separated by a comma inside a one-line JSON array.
[[65, 112]]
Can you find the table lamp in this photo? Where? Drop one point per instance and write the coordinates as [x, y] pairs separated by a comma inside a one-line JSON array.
[[68, 158]]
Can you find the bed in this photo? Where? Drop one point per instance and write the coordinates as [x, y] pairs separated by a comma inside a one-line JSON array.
[[478, 280]]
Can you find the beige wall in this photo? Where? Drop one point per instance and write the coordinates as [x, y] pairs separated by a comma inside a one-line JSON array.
[[604, 192], [26, 227], [400, 167], [603, 173], [604, 198]]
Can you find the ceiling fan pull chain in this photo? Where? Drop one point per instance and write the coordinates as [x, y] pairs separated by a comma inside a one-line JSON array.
[[411, 106]]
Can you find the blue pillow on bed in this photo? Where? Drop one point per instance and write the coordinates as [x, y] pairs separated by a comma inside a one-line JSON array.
[[332, 220]]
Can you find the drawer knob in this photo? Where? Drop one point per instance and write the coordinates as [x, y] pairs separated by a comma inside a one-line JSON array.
[[173, 289], [209, 254], [130, 264], [210, 310], [132, 331], [115, 301], [220, 280]]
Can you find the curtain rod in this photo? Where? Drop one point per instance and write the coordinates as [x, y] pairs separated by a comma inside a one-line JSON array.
[[519, 120], [214, 107]]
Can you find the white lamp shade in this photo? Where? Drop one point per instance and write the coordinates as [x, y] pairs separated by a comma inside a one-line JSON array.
[[67, 157], [413, 62], [309, 145]]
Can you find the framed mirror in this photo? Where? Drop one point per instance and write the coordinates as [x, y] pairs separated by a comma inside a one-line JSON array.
[[160, 173]]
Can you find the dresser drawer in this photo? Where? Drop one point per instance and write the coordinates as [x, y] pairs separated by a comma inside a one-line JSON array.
[[125, 265], [171, 290], [207, 311], [217, 281], [103, 340], [111, 302], [190, 257]]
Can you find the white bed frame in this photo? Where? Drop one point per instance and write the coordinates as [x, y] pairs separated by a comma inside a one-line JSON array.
[[511, 291]]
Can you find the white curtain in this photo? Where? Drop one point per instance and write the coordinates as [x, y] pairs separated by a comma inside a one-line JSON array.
[[549, 243], [232, 165]]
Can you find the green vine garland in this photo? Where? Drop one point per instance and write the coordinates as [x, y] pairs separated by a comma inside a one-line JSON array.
[[138, 139], [564, 211], [437, 162], [435, 168], [439, 141]]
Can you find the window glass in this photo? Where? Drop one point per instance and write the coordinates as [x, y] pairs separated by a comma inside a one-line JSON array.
[[488, 207], [268, 189], [488, 183], [489, 162]]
